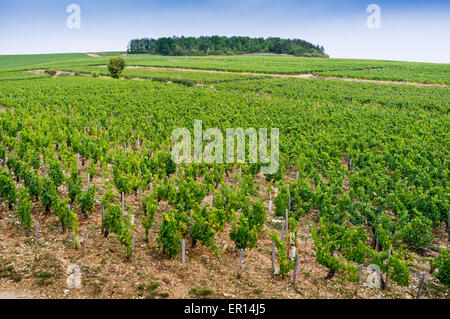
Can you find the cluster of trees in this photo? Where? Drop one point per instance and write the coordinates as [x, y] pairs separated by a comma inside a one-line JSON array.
[[215, 45]]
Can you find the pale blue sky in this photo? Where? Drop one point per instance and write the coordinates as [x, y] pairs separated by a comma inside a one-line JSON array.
[[410, 30]]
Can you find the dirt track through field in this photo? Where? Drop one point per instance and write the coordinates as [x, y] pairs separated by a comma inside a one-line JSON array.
[[303, 76], [13, 295], [275, 75]]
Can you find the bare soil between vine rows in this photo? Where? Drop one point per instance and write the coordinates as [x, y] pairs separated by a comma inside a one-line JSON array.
[[33, 270]]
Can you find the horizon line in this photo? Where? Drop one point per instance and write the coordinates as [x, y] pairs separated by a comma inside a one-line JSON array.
[[255, 53]]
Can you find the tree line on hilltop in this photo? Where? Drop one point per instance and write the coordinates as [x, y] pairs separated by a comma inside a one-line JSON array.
[[217, 45]]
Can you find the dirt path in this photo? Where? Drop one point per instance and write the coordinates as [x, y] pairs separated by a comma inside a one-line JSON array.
[[303, 76], [380, 81], [57, 73], [275, 75], [14, 295], [94, 55]]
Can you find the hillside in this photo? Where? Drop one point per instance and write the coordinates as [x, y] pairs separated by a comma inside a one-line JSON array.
[[87, 178]]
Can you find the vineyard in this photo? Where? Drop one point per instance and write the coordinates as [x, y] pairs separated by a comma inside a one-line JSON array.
[[87, 178]]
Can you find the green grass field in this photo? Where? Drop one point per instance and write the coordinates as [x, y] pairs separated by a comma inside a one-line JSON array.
[[351, 68], [28, 61]]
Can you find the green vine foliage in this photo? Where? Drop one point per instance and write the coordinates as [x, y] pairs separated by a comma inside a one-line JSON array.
[[417, 233], [203, 228], [111, 219], [257, 216], [165, 190], [2, 154], [35, 160], [87, 201], [49, 194], [293, 226], [62, 211], [442, 264], [108, 198], [56, 173], [302, 197], [7, 188], [125, 235], [24, 210], [120, 181], [397, 268], [150, 207], [281, 201], [285, 263], [385, 231], [169, 234], [74, 185], [33, 183], [91, 170], [242, 234], [74, 225], [398, 271], [339, 246]]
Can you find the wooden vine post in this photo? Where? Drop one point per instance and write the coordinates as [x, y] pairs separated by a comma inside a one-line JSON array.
[[133, 243], [387, 270], [83, 241], [241, 257], [292, 252], [123, 203], [190, 224], [360, 274], [273, 256], [377, 244], [294, 275], [183, 253], [448, 226], [422, 279], [69, 233], [36, 233]]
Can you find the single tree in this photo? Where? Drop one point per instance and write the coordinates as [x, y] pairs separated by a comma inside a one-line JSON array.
[[116, 66]]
